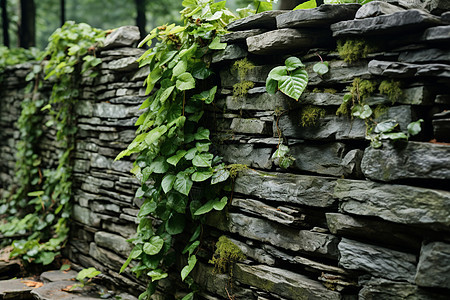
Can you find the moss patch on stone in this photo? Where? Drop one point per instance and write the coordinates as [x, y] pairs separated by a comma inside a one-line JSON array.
[[242, 67], [226, 254], [351, 50], [240, 89], [391, 88], [310, 114]]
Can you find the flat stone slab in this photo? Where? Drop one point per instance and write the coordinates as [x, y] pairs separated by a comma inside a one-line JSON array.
[[57, 275], [240, 36], [17, 289], [378, 261], [383, 289], [265, 20], [396, 203], [432, 55], [433, 269], [288, 39], [322, 16], [121, 37], [53, 291], [437, 34], [306, 190], [407, 160], [407, 70], [403, 21], [246, 154], [231, 52], [282, 282], [259, 102], [377, 8]]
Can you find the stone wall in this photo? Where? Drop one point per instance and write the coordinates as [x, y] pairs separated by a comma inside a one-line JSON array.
[[346, 221]]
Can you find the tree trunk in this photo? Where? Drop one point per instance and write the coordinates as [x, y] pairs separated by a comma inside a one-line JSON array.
[[27, 24], [62, 14], [141, 20], [5, 23]]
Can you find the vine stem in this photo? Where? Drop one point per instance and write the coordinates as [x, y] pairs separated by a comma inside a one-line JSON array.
[[278, 128], [319, 56]]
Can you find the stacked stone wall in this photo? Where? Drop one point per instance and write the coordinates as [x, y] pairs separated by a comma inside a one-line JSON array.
[[346, 221]]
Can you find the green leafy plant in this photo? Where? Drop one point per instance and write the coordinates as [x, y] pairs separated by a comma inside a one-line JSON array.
[[181, 180], [389, 130], [282, 158], [291, 79], [85, 277], [226, 254], [40, 207]]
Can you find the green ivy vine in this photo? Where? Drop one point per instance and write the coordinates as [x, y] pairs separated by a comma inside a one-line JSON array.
[[40, 207], [181, 178]]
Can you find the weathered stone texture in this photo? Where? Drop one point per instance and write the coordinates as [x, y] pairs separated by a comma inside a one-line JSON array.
[[433, 269], [407, 160], [376, 260]]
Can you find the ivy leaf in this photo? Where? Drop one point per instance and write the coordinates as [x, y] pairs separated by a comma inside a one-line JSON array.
[[201, 176], [277, 73], [183, 183], [202, 146], [189, 296], [175, 224], [294, 84], [271, 85], [361, 111], [180, 68], [212, 204], [293, 63], [166, 94], [159, 165], [201, 71], [203, 160], [177, 202], [185, 82], [191, 153], [173, 160], [191, 247], [192, 260], [220, 175], [147, 208], [137, 250], [202, 134], [414, 127], [385, 126], [154, 245], [321, 68], [167, 182], [307, 5], [394, 136], [216, 44], [157, 274]]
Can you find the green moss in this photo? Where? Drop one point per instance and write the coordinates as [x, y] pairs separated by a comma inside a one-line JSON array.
[[330, 91], [316, 90], [241, 88], [344, 109], [226, 254], [234, 169], [242, 66], [352, 50], [361, 89], [391, 89], [379, 111], [310, 114]]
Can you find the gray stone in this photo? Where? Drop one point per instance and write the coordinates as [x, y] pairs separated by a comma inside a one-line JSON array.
[[250, 126], [122, 64], [322, 16], [321, 99], [383, 289], [15, 289], [312, 243], [432, 55], [441, 129], [256, 74], [121, 52], [407, 70], [376, 8], [253, 252], [85, 216], [246, 154], [240, 36], [395, 203], [442, 99], [340, 72], [351, 163], [407, 160], [263, 20], [437, 34], [264, 210], [260, 102], [282, 282], [122, 37], [445, 17], [329, 127], [56, 275], [231, 52], [288, 39], [376, 230], [106, 257], [378, 261], [113, 242], [322, 159], [403, 21], [125, 230], [433, 269], [54, 290], [287, 188]]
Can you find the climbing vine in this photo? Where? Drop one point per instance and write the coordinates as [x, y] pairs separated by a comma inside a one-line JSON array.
[[40, 207], [181, 178]]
